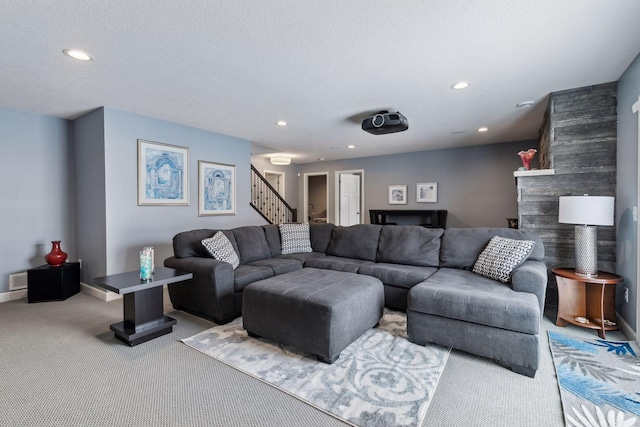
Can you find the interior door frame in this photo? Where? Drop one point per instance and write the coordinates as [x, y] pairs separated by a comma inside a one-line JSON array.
[[636, 109], [305, 194], [337, 193], [283, 180]]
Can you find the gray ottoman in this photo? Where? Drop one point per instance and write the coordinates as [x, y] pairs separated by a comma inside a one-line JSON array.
[[316, 311]]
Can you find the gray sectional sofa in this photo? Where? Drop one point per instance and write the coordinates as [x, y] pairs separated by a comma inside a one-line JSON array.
[[426, 272]]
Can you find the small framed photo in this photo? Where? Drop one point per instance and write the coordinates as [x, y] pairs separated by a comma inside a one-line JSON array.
[[397, 194], [427, 192], [216, 189], [163, 174]]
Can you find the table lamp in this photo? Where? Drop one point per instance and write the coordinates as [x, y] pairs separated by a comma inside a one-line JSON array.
[[587, 212]]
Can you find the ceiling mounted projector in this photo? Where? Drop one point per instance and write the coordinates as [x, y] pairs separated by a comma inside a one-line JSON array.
[[385, 122]]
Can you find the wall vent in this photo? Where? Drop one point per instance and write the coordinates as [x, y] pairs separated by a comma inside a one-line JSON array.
[[17, 281]]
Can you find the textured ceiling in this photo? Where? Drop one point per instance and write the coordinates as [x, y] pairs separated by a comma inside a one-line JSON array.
[[236, 67]]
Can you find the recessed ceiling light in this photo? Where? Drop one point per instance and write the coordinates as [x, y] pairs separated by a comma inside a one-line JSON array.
[[460, 85], [351, 146], [321, 158], [281, 123], [77, 54], [483, 129], [525, 104]]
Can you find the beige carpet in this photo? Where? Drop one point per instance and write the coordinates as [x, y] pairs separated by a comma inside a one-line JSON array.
[[60, 365]]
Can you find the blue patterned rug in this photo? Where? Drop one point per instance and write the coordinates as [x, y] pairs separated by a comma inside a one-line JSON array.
[[599, 381], [381, 379]]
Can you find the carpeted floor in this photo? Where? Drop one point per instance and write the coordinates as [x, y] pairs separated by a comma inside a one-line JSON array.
[[60, 365]]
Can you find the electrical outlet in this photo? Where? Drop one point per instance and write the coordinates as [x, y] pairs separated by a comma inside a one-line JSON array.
[[80, 261], [626, 294]]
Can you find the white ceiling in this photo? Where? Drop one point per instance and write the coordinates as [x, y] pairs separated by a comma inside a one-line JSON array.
[[236, 67]]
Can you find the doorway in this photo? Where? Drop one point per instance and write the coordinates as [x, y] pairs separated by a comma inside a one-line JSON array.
[[316, 197], [276, 179], [349, 197]]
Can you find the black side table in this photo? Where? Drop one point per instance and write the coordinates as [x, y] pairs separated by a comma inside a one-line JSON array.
[[144, 317], [46, 283]]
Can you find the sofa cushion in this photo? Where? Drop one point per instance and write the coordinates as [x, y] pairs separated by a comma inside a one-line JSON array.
[[403, 276], [272, 234], [320, 236], [461, 247], [464, 295], [221, 249], [295, 238], [335, 263], [279, 265], [252, 243], [409, 244], [189, 243], [501, 256], [246, 274], [303, 257], [357, 241]]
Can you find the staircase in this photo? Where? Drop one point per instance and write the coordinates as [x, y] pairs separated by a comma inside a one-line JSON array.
[[268, 202]]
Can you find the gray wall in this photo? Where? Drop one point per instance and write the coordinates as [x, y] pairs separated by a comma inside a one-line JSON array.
[[475, 184], [627, 193], [129, 227], [90, 208], [37, 190]]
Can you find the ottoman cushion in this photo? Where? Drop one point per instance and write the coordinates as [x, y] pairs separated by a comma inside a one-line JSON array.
[[316, 311]]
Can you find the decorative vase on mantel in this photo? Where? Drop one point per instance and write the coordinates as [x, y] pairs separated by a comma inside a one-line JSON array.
[[56, 257], [526, 157]]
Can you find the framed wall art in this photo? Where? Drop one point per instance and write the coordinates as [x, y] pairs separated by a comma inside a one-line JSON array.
[[216, 189], [427, 192], [163, 174], [397, 194]]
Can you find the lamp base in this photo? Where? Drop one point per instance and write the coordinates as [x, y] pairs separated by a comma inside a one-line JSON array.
[[586, 250]]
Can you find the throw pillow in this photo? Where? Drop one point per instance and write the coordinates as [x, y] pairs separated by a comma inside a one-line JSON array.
[[220, 247], [501, 256], [295, 238]]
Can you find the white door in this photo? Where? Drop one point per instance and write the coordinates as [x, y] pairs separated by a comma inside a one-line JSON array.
[[349, 199], [276, 179]]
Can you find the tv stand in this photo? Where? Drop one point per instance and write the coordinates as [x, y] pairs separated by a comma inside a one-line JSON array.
[[426, 218]]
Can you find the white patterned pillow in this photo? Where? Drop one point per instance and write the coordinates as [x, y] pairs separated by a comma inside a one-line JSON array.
[[220, 247], [501, 256], [295, 238]]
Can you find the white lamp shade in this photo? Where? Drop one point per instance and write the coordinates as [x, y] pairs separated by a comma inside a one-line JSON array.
[[586, 210], [280, 160]]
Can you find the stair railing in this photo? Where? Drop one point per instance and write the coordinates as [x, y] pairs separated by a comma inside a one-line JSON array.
[[268, 202]]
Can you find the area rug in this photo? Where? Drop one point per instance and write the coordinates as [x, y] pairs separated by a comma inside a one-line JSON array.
[[599, 381], [381, 379]]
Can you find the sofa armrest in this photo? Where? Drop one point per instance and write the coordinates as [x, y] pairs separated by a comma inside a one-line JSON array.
[[531, 276], [210, 293], [198, 265]]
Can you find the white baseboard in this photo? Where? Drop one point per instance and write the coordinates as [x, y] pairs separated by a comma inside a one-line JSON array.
[[626, 329], [13, 295], [87, 289], [101, 294]]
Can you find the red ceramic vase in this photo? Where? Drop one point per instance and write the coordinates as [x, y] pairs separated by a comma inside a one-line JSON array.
[[56, 257]]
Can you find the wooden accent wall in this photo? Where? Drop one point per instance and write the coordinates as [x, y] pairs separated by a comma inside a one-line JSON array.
[[578, 140]]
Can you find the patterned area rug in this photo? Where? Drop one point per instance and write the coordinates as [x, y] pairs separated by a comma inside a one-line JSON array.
[[381, 379], [599, 381]]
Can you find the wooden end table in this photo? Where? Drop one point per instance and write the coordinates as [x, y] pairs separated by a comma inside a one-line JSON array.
[[144, 317], [587, 297]]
